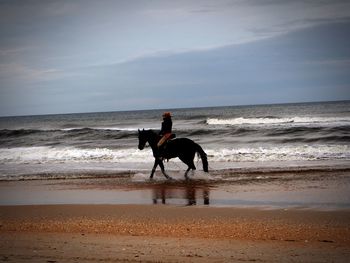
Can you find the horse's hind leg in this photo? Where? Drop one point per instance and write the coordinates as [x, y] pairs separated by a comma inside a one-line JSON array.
[[189, 163]]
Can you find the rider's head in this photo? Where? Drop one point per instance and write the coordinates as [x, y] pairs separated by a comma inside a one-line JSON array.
[[166, 115]]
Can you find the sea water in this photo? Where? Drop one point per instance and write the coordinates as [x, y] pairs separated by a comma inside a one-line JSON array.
[[257, 137]]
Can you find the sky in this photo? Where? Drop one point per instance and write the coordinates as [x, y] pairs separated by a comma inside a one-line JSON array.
[[68, 56]]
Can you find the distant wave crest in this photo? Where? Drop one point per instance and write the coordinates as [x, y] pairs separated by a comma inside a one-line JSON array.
[[272, 120]]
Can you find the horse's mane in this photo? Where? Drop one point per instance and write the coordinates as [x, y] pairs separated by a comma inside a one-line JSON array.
[[149, 131]]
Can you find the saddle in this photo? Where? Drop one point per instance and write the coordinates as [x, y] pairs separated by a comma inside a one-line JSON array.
[[172, 136], [162, 148]]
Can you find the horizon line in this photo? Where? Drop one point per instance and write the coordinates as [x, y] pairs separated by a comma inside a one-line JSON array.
[[176, 108]]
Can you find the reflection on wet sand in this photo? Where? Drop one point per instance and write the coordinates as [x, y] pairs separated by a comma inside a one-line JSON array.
[[193, 194]]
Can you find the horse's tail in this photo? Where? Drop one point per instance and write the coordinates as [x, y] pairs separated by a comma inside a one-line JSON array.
[[203, 156]]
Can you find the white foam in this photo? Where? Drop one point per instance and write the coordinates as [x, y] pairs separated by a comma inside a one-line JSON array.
[[140, 177], [293, 120], [40, 155], [70, 154], [283, 153]]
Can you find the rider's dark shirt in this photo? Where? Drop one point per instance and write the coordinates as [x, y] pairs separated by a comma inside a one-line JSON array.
[[167, 125]]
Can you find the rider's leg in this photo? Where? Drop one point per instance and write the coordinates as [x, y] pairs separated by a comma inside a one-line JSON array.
[[161, 141]]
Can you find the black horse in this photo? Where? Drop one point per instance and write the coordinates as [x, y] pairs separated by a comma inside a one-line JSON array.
[[183, 148]]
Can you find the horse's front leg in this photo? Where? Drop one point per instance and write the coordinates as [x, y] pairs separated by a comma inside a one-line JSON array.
[[154, 167], [160, 162], [186, 173]]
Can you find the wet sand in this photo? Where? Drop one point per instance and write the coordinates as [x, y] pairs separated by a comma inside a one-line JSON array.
[[324, 190], [294, 217]]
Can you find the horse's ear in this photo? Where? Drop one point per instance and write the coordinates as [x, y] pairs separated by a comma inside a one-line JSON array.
[[138, 130], [143, 129]]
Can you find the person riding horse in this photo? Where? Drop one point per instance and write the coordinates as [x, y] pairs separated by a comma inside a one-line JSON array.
[[183, 148], [166, 131]]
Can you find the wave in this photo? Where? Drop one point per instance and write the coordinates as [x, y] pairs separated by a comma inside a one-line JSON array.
[[46, 154], [283, 153], [49, 154], [24, 132], [323, 139], [131, 129], [269, 131], [16, 133], [275, 121], [75, 137], [117, 138], [67, 131], [110, 133]]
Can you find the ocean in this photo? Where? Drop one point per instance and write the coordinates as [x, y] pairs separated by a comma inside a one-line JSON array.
[[241, 138]]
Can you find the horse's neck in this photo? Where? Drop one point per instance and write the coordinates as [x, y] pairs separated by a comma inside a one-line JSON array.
[[153, 140]]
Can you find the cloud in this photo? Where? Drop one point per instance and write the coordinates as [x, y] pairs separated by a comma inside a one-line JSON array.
[[281, 65], [135, 51], [304, 14], [27, 72]]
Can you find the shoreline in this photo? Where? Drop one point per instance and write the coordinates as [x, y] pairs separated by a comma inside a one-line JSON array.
[[46, 171], [315, 190]]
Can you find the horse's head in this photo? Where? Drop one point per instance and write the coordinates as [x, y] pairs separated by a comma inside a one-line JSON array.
[[142, 139], [147, 136]]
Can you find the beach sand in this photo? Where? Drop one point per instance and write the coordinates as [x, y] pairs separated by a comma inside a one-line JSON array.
[[296, 217], [163, 233]]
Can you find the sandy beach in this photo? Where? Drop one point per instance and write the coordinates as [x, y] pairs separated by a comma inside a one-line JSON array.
[[113, 233], [163, 233]]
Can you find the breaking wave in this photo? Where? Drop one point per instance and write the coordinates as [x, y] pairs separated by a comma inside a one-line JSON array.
[[44, 154], [324, 121]]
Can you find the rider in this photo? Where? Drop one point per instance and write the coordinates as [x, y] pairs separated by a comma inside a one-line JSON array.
[[165, 132]]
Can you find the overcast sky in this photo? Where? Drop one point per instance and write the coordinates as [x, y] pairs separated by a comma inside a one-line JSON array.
[[86, 56]]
